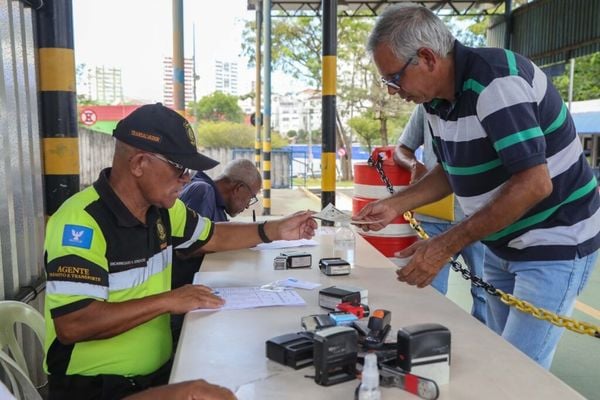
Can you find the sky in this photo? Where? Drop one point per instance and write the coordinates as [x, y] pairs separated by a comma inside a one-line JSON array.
[[135, 35]]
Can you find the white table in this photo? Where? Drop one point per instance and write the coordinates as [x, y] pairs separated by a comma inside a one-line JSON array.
[[228, 347]]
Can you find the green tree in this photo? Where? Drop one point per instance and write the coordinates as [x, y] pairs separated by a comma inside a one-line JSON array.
[[231, 135], [470, 31], [217, 106], [292, 134], [586, 82], [295, 47], [397, 124], [302, 136], [356, 70], [297, 50], [367, 129]]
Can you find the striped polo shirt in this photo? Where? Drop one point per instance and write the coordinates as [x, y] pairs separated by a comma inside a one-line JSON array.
[[95, 249], [507, 117]]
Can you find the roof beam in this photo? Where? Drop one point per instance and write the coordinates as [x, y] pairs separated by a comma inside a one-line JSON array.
[[371, 8]]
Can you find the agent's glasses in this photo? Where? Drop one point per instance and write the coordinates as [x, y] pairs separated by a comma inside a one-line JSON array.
[[180, 168]]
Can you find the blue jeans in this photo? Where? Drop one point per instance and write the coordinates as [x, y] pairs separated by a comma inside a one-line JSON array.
[[474, 256], [553, 285]]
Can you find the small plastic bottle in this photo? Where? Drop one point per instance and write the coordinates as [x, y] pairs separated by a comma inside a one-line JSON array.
[[344, 243], [369, 386]]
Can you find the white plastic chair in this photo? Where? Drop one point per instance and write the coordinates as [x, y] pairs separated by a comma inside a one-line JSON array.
[[18, 381], [11, 314]]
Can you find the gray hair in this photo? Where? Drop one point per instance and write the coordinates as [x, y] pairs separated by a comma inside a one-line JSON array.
[[242, 170], [408, 27]]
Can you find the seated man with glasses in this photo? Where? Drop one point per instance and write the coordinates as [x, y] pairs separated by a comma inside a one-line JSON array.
[[230, 193], [108, 259]]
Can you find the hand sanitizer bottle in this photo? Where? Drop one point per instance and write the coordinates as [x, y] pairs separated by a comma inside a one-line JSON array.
[[369, 387]]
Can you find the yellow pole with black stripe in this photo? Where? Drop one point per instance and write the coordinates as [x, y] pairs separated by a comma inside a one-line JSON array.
[[58, 103], [267, 113], [257, 112], [328, 102]]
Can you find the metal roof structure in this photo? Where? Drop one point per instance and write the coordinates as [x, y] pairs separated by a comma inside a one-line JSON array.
[[551, 31], [369, 8]]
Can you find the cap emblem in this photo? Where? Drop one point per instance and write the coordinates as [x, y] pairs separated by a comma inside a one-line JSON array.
[[190, 133]]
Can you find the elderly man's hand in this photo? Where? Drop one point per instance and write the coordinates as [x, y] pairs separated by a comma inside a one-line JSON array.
[[191, 297], [379, 212], [189, 390], [299, 225], [427, 258]]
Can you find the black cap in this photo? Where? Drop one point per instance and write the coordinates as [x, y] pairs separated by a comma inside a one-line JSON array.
[[158, 129]]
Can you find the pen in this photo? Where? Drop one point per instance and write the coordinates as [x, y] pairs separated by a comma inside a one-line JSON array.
[[253, 215]]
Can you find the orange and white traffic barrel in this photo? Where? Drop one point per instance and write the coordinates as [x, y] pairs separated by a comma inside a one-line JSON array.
[[368, 187]]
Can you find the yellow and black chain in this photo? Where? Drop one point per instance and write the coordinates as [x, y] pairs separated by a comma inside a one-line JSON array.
[[508, 299]]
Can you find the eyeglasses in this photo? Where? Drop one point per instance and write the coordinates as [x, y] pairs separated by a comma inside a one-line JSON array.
[[180, 168], [394, 81], [253, 200]]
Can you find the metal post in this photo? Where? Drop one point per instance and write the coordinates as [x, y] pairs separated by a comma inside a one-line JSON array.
[[594, 152], [257, 83], [178, 64], [507, 24], [267, 113], [193, 61], [328, 105], [571, 77], [310, 152], [58, 104]]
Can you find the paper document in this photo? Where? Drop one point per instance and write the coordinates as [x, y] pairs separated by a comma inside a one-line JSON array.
[[284, 244], [239, 298], [332, 214], [297, 283], [300, 284]]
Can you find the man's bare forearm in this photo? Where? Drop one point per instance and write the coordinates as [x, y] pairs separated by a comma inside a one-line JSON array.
[[233, 236], [236, 235], [101, 320], [405, 157]]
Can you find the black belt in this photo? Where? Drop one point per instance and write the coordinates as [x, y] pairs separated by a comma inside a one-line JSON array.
[[104, 387]]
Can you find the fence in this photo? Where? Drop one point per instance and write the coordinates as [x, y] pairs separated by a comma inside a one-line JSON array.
[[96, 151], [281, 165]]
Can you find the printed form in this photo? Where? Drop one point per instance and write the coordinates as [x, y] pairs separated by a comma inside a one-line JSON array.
[[239, 298]]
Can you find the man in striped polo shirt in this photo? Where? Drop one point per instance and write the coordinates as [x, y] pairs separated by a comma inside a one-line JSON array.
[[507, 147]]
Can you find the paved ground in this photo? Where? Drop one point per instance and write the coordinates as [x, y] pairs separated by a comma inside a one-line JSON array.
[[577, 357], [287, 201]]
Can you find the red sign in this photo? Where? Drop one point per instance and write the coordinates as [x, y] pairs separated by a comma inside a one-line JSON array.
[[341, 151], [88, 117]]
